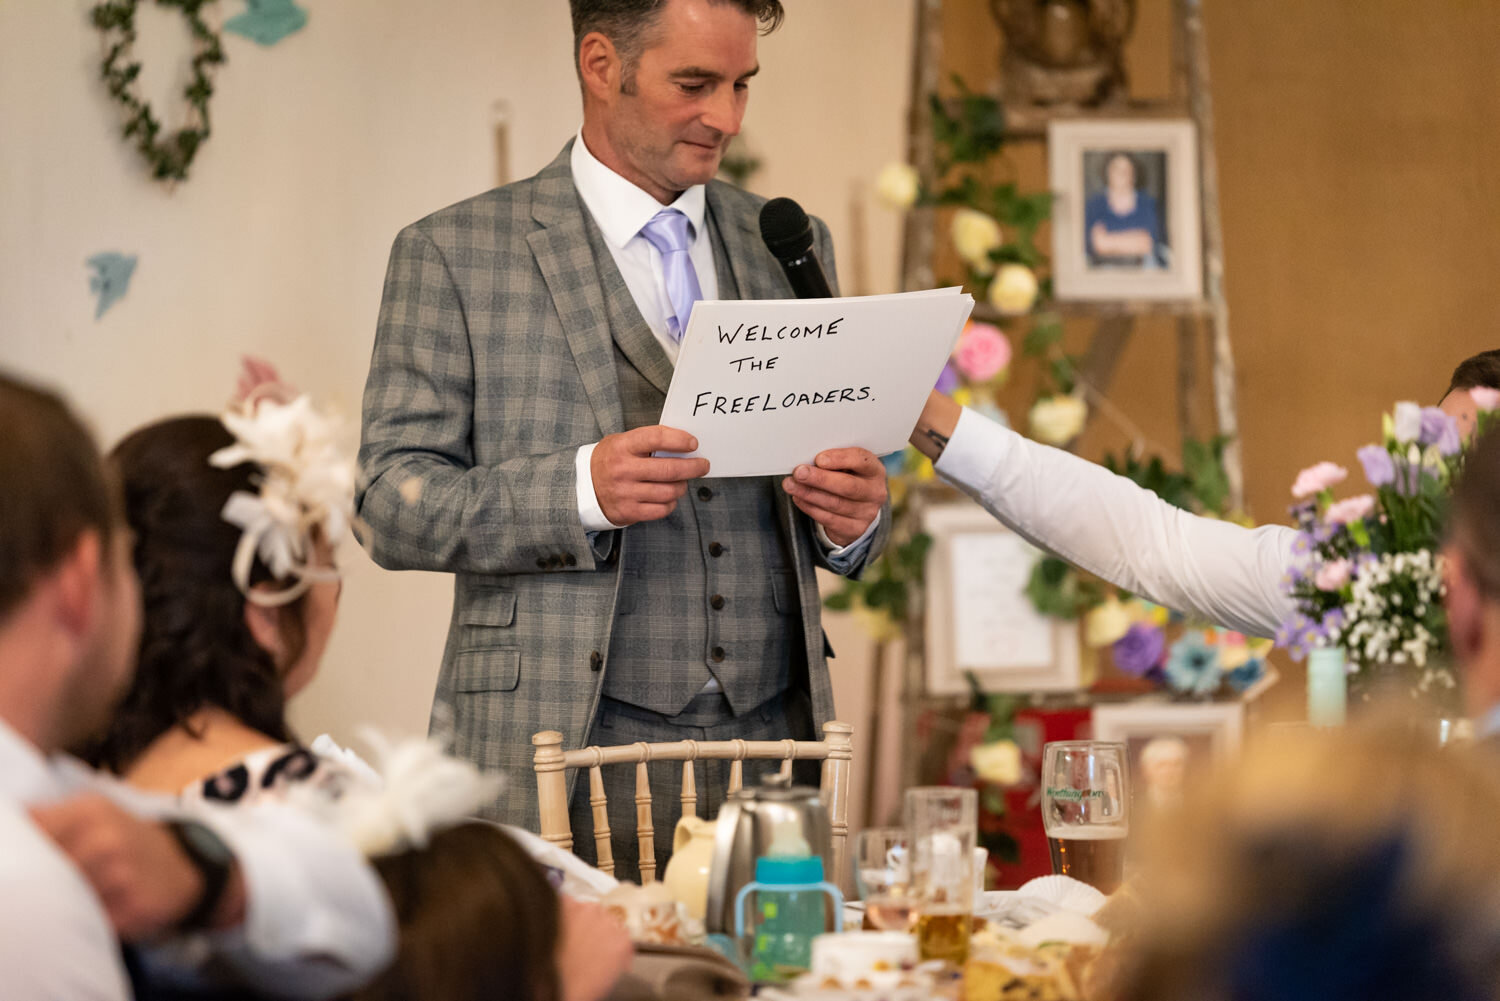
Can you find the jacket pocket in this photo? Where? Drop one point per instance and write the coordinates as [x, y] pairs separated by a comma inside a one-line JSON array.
[[491, 608], [487, 670], [784, 593]]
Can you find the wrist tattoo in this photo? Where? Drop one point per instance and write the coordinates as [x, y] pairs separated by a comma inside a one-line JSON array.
[[937, 438]]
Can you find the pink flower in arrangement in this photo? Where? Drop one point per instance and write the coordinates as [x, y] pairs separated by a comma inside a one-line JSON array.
[[1332, 576], [1315, 479], [982, 352], [1485, 398], [1351, 510]]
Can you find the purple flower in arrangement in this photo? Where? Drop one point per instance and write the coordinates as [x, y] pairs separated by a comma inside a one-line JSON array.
[[1379, 469], [1139, 650], [947, 380], [1436, 426], [1193, 668]]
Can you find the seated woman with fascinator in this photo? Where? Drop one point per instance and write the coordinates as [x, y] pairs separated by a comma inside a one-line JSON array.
[[235, 521]]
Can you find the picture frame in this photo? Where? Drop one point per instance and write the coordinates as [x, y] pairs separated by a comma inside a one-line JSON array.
[[978, 617], [1126, 219], [1166, 743]]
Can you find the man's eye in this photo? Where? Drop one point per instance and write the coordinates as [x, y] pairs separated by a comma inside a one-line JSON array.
[[692, 88]]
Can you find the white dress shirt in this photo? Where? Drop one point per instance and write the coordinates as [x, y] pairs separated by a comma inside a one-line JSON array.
[[620, 209], [317, 920], [1127, 535]]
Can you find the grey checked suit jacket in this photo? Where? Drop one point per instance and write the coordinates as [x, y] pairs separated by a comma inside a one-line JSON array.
[[493, 363]]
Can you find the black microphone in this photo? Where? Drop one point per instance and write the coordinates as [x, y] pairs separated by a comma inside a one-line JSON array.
[[789, 237]]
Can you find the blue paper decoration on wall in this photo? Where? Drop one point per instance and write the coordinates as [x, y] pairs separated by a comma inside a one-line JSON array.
[[268, 21], [111, 278]]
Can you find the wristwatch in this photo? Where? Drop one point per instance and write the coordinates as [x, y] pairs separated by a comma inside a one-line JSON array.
[[214, 862]]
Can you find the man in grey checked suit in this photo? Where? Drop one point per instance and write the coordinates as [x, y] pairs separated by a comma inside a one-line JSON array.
[[525, 344]]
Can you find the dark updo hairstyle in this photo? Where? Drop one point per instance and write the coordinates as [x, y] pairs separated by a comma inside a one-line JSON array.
[[197, 651], [477, 920]]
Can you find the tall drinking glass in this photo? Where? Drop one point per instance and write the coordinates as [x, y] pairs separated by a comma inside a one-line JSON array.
[[942, 825], [882, 875], [1085, 809]]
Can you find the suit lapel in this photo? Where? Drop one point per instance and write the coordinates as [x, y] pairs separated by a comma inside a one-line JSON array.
[[561, 249], [744, 256], [630, 330]]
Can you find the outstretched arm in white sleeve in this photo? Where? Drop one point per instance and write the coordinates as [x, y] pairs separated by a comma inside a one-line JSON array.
[[1108, 525]]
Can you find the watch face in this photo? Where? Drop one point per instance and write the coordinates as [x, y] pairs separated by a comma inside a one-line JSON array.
[[204, 842]]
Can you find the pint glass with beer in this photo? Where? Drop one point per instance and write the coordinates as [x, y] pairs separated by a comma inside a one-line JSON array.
[[942, 824], [1085, 809]]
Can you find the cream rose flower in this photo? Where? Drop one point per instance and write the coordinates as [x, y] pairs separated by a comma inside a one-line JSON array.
[[897, 185], [974, 236], [1013, 292], [999, 762], [1106, 623], [1057, 420]]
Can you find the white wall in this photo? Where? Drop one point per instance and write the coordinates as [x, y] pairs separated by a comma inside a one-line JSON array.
[[323, 147]]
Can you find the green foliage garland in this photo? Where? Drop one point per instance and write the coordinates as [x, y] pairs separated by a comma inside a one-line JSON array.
[[169, 157]]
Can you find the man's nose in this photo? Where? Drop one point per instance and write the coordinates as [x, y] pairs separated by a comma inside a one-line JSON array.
[[725, 111]]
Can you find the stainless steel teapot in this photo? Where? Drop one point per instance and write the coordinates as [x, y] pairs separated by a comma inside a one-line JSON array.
[[743, 833]]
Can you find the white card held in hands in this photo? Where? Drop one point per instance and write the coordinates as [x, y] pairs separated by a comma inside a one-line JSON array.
[[765, 385]]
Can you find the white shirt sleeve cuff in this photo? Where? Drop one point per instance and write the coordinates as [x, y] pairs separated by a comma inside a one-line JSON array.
[[975, 449], [589, 511], [834, 552]]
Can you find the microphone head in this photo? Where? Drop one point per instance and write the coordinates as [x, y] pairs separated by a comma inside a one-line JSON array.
[[786, 229]]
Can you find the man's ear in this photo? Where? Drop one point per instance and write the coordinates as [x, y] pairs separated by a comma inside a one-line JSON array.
[[1465, 607], [76, 583], [264, 624], [599, 65]]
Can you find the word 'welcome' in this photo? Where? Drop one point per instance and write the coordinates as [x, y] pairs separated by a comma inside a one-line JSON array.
[[785, 332]]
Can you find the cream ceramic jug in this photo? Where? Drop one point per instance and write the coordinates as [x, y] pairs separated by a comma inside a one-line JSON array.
[[686, 877]]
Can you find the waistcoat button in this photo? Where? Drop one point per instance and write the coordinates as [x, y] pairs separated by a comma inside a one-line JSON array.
[[716, 602], [714, 549]]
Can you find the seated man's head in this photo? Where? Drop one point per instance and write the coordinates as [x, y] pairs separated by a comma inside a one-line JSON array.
[[1481, 371], [1473, 574], [69, 603], [205, 645]]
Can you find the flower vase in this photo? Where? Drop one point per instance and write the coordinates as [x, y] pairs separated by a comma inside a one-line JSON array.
[[1327, 693]]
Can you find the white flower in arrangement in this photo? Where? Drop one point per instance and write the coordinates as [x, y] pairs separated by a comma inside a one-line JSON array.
[[897, 185], [1408, 422], [1057, 420], [1390, 598], [1013, 292], [974, 236]]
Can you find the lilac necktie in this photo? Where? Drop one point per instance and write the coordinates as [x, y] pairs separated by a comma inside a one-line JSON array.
[[670, 233]]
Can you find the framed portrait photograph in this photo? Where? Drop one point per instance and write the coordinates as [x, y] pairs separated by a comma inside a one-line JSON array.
[[979, 619], [1167, 744], [1125, 212]]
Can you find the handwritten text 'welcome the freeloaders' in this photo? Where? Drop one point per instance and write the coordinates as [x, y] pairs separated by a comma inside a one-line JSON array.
[[756, 333]]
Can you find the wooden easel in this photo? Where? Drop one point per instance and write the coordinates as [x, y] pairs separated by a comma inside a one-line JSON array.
[[1114, 322]]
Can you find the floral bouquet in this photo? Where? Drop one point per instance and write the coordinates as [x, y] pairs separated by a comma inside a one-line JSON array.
[[1190, 660], [1368, 572]]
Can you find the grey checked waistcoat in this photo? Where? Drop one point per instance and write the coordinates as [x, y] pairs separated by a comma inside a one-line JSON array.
[[710, 590]]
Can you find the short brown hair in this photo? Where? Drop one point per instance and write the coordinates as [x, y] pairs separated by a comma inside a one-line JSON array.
[[54, 487], [477, 917], [1481, 371], [628, 23]]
